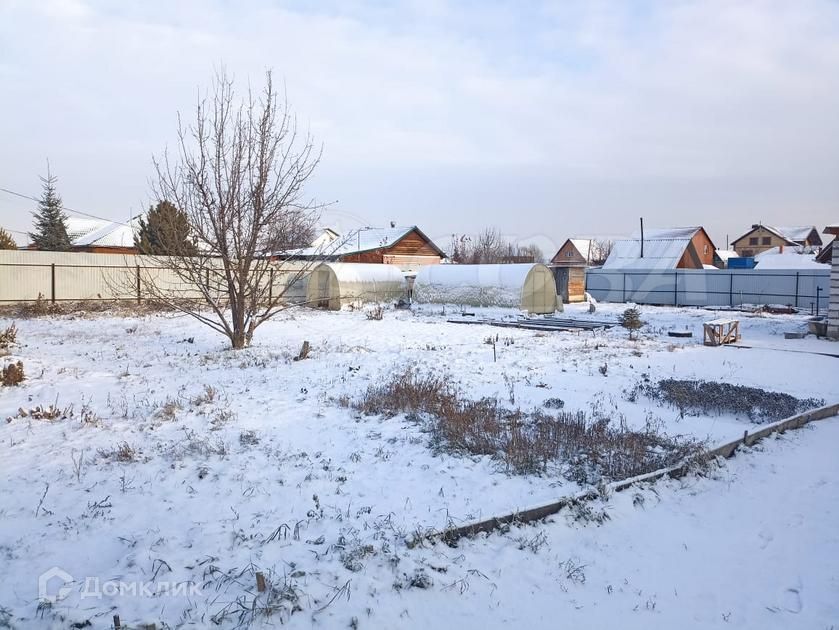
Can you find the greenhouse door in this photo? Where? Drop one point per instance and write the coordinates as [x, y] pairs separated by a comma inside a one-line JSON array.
[[561, 275], [323, 289]]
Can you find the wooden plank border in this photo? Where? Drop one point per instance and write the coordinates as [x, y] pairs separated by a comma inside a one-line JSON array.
[[452, 535]]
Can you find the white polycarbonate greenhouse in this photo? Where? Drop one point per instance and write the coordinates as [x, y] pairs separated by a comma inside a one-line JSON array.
[[529, 287], [334, 285]]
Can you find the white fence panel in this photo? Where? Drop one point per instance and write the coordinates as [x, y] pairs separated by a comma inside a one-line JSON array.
[[806, 289], [69, 276]]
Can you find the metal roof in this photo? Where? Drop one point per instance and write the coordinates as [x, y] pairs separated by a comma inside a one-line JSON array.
[[663, 249], [110, 235], [363, 240], [78, 226]]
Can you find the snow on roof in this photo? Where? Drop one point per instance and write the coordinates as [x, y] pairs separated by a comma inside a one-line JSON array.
[[362, 240], [725, 254], [796, 232], [663, 248], [788, 259], [583, 246], [327, 235], [667, 234], [79, 226], [791, 234], [110, 235]]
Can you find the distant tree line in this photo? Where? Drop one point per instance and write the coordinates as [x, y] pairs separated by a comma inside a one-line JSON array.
[[489, 246]]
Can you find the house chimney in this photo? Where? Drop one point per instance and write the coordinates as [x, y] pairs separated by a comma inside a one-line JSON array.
[[642, 237]]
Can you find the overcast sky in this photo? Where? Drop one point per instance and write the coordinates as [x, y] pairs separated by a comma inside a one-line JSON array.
[[543, 119]]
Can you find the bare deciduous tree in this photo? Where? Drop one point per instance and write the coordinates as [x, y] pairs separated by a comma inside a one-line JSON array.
[[600, 250], [238, 175], [489, 246]]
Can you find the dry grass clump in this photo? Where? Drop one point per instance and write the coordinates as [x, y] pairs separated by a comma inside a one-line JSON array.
[[377, 313], [8, 337], [169, 410], [27, 310], [43, 307], [207, 396], [583, 449], [44, 412], [122, 452], [12, 374], [713, 397]]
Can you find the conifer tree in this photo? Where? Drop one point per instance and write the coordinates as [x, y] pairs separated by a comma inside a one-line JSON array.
[[50, 221], [165, 232], [6, 240]]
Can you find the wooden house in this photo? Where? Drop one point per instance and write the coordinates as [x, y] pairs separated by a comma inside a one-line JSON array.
[[668, 248], [569, 268], [826, 254], [406, 247], [763, 237]]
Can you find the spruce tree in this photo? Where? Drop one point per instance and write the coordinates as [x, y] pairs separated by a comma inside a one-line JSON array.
[[164, 232], [631, 320], [50, 221], [6, 240]]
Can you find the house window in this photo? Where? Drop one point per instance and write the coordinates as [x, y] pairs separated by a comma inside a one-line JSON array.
[[767, 240], [753, 240], [706, 249], [569, 254]]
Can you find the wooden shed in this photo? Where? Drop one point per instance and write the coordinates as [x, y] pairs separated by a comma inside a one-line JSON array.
[[529, 287], [334, 285], [569, 269]]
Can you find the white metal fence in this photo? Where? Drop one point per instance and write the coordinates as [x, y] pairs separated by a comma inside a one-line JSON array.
[[68, 276], [804, 289]]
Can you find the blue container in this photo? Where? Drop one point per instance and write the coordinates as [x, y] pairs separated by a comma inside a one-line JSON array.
[[741, 263]]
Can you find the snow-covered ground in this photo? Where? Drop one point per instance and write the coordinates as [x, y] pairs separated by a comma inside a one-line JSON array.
[[269, 474]]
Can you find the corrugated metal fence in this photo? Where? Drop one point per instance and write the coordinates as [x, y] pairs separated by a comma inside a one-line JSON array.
[[805, 289], [69, 276]]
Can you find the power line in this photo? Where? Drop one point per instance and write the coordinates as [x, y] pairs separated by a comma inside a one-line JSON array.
[[63, 207]]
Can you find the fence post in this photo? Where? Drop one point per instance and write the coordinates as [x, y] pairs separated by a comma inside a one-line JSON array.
[[270, 286], [138, 284], [624, 287], [796, 289], [52, 283], [675, 288], [731, 289]]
